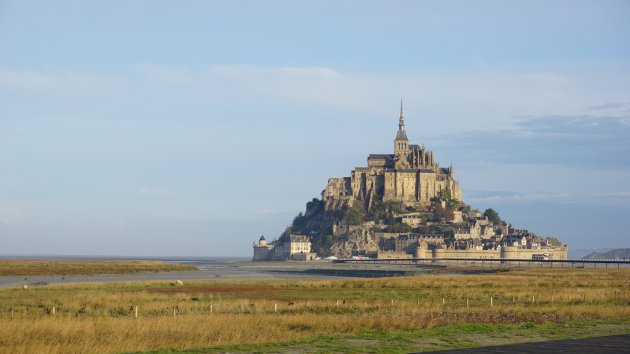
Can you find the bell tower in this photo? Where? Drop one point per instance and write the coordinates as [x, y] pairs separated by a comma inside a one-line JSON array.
[[401, 144]]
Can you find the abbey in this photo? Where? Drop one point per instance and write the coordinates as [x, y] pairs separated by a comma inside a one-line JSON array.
[[409, 175]]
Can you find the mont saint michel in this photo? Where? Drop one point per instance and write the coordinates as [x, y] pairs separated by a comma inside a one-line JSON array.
[[402, 205]]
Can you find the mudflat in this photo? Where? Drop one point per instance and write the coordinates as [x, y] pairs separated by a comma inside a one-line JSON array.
[[216, 270]]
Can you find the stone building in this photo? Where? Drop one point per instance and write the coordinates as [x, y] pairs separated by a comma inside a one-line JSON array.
[[296, 248], [262, 250], [409, 175]]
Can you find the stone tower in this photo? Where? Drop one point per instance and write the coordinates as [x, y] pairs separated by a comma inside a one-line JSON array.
[[401, 143]]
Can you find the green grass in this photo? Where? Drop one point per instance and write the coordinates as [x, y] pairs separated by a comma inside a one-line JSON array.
[[466, 335], [304, 315]]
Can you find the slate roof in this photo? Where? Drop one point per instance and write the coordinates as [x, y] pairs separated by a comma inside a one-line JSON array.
[[401, 135], [380, 157]]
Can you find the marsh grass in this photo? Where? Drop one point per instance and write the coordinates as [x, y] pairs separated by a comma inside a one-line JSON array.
[[64, 267], [101, 318]]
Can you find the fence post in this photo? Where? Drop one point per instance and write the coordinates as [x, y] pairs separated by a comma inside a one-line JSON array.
[[533, 299], [136, 312], [466, 302], [53, 310], [210, 308], [443, 301], [275, 307], [491, 301]]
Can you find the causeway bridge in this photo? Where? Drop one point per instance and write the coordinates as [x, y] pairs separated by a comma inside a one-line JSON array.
[[494, 262]]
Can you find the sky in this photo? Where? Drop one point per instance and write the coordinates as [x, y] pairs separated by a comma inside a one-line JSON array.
[[154, 128]]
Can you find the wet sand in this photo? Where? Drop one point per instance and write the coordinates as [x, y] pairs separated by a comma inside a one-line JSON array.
[[229, 270]]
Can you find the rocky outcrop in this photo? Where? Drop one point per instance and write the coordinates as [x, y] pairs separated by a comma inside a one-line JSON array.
[[359, 241]]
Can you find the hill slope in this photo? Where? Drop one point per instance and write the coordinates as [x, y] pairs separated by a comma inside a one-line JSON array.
[[617, 253]]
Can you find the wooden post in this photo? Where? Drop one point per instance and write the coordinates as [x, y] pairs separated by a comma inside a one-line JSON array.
[[491, 301], [53, 310], [337, 302], [392, 302], [174, 314], [136, 315], [533, 299], [11, 313], [513, 299], [275, 307], [210, 308], [466, 302], [443, 301]]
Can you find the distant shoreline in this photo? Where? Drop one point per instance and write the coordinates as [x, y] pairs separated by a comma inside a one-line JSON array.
[[115, 258]]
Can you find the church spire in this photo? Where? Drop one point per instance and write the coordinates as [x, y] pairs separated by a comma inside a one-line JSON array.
[[401, 135], [401, 120]]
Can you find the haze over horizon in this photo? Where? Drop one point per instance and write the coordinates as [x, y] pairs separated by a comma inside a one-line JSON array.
[[148, 129]]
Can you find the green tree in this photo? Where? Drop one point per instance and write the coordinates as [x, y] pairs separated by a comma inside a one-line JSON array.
[[299, 222], [446, 194], [492, 215], [285, 235], [449, 215], [354, 216], [449, 237], [438, 212], [399, 227]]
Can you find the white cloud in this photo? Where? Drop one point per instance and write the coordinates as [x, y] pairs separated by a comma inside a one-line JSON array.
[[57, 84], [442, 101], [518, 197]]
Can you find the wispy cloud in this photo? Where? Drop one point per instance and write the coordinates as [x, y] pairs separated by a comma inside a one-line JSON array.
[[613, 195], [608, 106], [504, 196], [30, 82], [499, 97], [579, 141]]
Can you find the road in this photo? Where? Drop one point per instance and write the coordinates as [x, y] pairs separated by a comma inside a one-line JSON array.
[[595, 345]]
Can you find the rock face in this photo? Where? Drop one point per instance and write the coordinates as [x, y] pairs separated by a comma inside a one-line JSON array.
[[358, 241]]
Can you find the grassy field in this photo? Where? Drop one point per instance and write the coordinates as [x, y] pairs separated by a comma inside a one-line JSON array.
[[385, 314], [64, 267]]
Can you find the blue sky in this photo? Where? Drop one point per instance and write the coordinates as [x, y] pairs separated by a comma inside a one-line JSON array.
[[152, 128]]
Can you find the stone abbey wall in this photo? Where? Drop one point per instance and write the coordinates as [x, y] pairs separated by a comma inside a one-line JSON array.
[[410, 175]]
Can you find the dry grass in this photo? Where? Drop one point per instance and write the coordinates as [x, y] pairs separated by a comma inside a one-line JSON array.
[[100, 318], [62, 267]]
